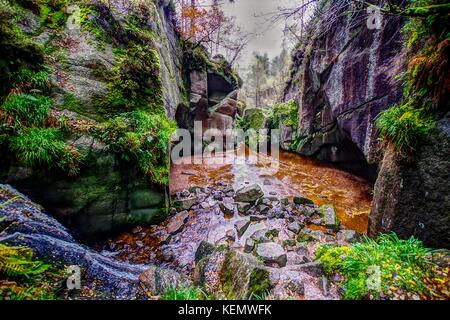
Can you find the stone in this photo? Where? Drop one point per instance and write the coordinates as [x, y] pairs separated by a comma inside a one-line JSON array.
[[204, 249], [157, 281], [329, 216], [257, 218], [295, 227], [349, 236], [259, 236], [231, 235], [305, 236], [185, 204], [412, 199], [234, 274], [296, 286], [243, 207], [249, 194], [185, 193], [227, 208], [241, 226], [176, 224], [249, 245], [263, 209], [303, 201], [272, 253]]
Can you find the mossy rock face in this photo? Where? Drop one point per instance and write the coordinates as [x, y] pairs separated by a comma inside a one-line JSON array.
[[242, 276], [100, 66], [106, 197], [254, 119]]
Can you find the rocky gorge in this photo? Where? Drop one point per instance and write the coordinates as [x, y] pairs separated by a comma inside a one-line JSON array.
[[88, 110]]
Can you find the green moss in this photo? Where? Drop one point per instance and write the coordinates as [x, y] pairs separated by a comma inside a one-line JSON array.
[[141, 138], [27, 108], [259, 284], [44, 147], [405, 127], [135, 82], [285, 113], [404, 265]]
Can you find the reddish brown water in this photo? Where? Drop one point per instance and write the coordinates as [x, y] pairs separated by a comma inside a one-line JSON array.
[[296, 176]]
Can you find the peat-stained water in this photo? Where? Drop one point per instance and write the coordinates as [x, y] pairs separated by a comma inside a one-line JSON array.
[[291, 175]]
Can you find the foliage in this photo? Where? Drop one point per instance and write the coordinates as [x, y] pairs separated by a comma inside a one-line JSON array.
[[426, 80], [142, 138], [405, 266], [135, 82], [253, 119], [189, 294], [405, 127], [27, 108], [44, 147], [24, 278], [285, 113]]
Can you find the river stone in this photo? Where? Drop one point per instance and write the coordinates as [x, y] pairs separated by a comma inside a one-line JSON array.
[[231, 235], [249, 245], [249, 194], [157, 281], [257, 218], [305, 236], [243, 207], [204, 249], [259, 236], [329, 216], [176, 223], [303, 201], [272, 253], [263, 209], [241, 226], [295, 227], [227, 208], [347, 235], [185, 204]]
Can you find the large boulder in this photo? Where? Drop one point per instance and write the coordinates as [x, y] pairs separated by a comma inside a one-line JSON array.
[[342, 90], [249, 194], [233, 275], [272, 254], [412, 199]]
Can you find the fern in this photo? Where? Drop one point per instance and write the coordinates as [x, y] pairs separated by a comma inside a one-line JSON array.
[[17, 261]]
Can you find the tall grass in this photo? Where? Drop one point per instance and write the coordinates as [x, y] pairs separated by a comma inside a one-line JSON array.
[[404, 265]]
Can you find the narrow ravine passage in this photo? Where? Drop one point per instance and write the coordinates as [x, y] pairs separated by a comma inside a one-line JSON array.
[[205, 211]]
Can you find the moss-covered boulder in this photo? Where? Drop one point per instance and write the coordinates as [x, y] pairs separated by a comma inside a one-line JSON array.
[[233, 275]]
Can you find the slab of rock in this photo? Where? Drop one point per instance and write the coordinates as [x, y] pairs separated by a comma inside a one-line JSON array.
[[243, 207], [272, 253], [249, 245], [176, 223], [249, 194], [156, 281], [204, 249], [329, 216], [227, 208], [259, 236], [295, 227], [258, 218], [231, 235], [347, 236], [234, 274], [241, 226], [185, 204], [303, 201]]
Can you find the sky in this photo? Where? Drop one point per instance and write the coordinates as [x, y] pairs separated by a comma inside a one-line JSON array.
[[252, 16]]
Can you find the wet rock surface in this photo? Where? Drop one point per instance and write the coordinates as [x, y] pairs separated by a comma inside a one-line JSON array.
[[277, 246], [25, 223]]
